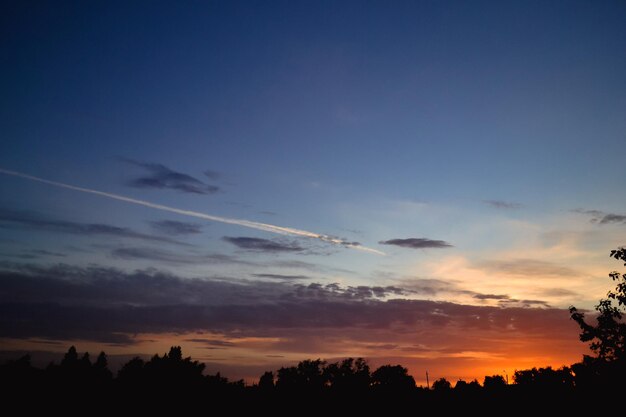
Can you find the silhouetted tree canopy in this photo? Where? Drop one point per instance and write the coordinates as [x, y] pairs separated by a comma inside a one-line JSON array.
[[442, 384], [393, 377], [307, 375], [608, 336], [464, 388], [545, 378], [266, 382], [494, 382], [349, 374]]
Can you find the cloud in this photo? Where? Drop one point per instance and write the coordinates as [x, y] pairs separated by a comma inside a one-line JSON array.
[[613, 218], [417, 243], [558, 292], [281, 230], [141, 311], [431, 287], [172, 227], [500, 204], [159, 255], [506, 300], [212, 343], [532, 302], [33, 254], [491, 297], [212, 175], [282, 277], [160, 176], [595, 213], [44, 252], [527, 267], [12, 218], [263, 245], [601, 217], [335, 291], [104, 304]]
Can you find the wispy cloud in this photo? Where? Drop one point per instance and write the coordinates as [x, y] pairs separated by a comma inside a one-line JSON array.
[[417, 243], [172, 227], [212, 175], [44, 252], [501, 204], [527, 267], [613, 218], [240, 222], [431, 286], [508, 301], [263, 245], [33, 254], [11, 218], [601, 217], [491, 297], [211, 343], [160, 176], [282, 277], [160, 255]]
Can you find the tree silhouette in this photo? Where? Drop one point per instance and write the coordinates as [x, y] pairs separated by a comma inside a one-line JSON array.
[[607, 338], [70, 359], [494, 382], [101, 368], [348, 375], [132, 371], [346, 386], [308, 375], [393, 378], [443, 385], [464, 388], [266, 382], [545, 378]]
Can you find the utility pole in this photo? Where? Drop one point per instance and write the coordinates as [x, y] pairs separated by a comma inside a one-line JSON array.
[[427, 383]]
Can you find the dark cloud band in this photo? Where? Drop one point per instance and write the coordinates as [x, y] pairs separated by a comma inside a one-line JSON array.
[[29, 220], [417, 243], [160, 176], [107, 305], [263, 245]]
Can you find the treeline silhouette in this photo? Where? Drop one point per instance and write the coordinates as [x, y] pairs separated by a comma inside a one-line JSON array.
[[172, 381]]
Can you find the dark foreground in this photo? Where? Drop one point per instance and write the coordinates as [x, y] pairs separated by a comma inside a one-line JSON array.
[[173, 384]]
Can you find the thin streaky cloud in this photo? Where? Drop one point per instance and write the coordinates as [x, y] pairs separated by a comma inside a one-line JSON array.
[[613, 218], [600, 217], [417, 243], [503, 204], [9, 218], [157, 255], [160, 176], [189, 213], [263, 245], [281, 277], [173, 227]]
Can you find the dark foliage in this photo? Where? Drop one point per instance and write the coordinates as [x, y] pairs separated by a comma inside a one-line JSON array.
[[607, 337]]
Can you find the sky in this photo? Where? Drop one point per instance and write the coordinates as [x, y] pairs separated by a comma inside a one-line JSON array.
[[424, 183]]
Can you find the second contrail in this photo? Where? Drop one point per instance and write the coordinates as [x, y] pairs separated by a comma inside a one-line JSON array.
[[240, 222]]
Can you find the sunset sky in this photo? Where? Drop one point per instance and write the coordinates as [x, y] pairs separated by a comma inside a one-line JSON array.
[[425, 183]]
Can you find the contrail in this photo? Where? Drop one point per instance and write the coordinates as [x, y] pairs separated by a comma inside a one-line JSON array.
[[240, 222]]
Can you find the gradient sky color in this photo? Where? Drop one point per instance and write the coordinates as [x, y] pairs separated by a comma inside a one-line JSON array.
[[475, 144]]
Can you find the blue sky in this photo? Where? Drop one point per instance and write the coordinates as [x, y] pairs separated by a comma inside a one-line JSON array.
[[483, 125]]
